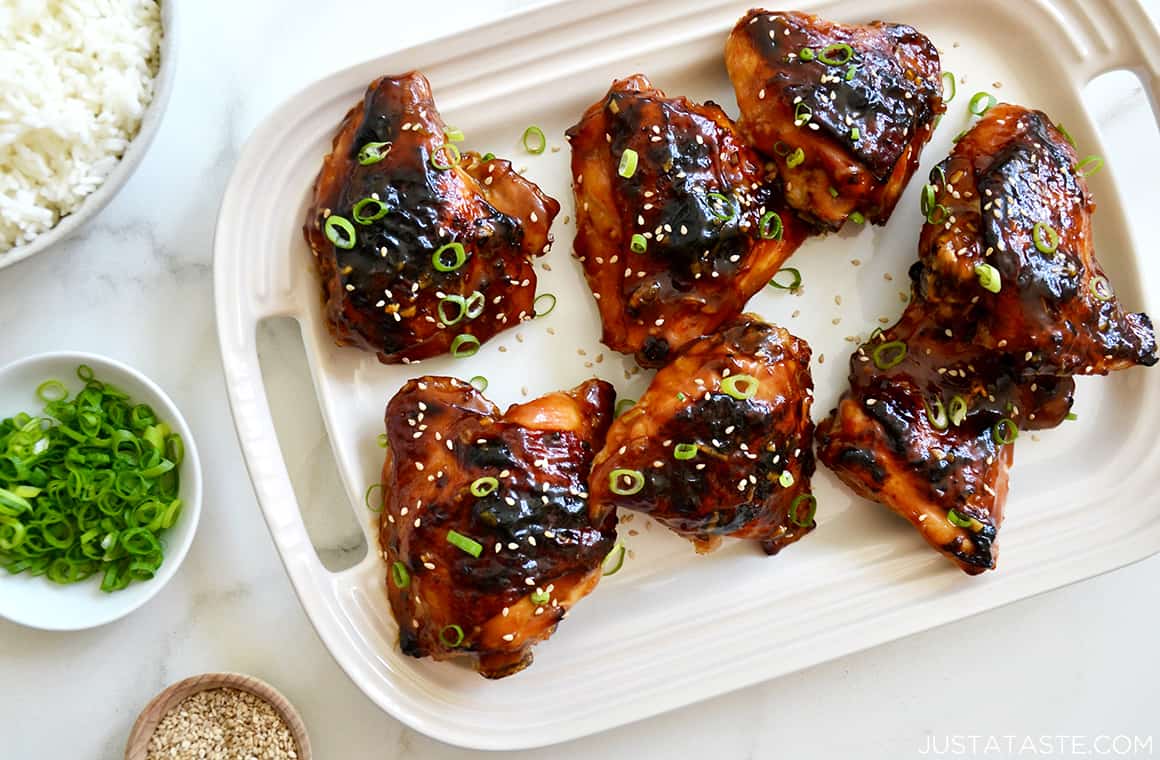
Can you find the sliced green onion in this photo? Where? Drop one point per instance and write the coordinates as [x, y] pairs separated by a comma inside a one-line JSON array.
[[795, 279], [722, 206], [453, 156], [13, 503], [1066, 135], [1071, 416], [795, 515], [948, 90], [460, 305], [1101, 288], [89, 488], [806, 54], [938, 214], [489, 156], [628, 162], [464, 345], [547, 298], [781, 148], [623, 405], [836, 54], [981, 102], [625, 482], [927, 200], [379, 211], [451, 636], [740, 387], [685, 451], [960, 135], [857, 217], [770, 227], [802, 113], [400, 576], [989, 277], [1089, 166], [936, 414], [785, 480], [540, 597], [833, 192], [367, 497], [617, 557], [340, 231], [51, 390], [535, 141], [855, 134], [382, 440], [961, 521], [795, 158], [373, 152], [957, 410], [460, 541], [1045, 237], [639, 243], [479, 382], [1005, 431], [458, 254], [481, 487], [888, 355], [453, 134], [474, 305], [850, 72]]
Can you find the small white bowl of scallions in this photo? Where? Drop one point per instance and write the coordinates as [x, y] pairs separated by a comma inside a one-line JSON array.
[[100, 490]]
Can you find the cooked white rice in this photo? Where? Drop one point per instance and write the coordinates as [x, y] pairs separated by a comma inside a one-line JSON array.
[[75, 78]]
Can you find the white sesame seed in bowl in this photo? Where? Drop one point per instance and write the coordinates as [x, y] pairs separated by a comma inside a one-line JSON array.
[[219, 716]]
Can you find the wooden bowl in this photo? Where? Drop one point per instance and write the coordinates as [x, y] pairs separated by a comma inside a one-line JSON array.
[[138, 744]]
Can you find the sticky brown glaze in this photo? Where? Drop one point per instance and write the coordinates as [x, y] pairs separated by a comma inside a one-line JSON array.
[[883, 440], [863, 123], [541, 546], [384, 293], [699, 269], [732, 486], [1054, 311]]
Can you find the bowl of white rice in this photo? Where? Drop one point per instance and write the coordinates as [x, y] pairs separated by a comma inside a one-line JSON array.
[[83, 85]]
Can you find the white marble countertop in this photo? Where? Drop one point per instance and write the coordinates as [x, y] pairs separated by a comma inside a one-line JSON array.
[[136, 285]]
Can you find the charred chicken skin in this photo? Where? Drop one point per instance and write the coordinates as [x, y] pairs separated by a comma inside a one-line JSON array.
[[844, 110], [1009, 302], [676, 224], [487, 531], [721, 442], [421, 251]]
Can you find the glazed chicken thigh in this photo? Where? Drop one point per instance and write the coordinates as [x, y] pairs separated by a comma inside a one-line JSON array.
[[421, 251], [487, 530], [721, 442], [845, 109], [1008, 303], [928, 426], [1010, 208], [676, 226]]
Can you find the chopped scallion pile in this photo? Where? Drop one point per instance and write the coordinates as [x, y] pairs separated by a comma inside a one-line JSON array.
[[89, 487]]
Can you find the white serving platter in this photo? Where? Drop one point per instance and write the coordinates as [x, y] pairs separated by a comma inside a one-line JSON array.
[[672, 627]]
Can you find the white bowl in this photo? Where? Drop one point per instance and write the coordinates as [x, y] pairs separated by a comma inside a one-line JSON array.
[[99, 198], [40, 603]]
